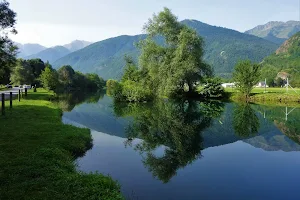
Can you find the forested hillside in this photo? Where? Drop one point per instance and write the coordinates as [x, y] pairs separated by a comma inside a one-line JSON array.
[[50, 54], [285, 59], [223, 49]]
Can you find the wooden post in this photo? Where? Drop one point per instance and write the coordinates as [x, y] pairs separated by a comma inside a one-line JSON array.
[[10, 99], [25, 92], [3, 103], [19, 96]]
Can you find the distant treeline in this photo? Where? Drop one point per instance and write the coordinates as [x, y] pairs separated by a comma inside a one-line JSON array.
[[37, 73]]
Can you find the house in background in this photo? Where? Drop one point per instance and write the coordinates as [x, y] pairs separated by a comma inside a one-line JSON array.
[[228, 85], [261, 84]]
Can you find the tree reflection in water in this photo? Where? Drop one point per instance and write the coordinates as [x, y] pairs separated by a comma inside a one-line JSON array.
[[67, 101], [245, 120], [175, 125]]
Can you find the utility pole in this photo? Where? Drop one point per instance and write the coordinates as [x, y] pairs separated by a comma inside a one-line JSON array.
[[265, 85], [287, 85]]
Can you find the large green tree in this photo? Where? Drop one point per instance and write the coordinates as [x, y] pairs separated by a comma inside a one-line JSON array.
[[246, 76], [37, 66], [22, 73], [66, 75], [178, 63], [49, 78], [7, 49]]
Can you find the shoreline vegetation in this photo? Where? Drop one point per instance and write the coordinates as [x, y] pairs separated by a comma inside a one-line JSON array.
[[38, 152]]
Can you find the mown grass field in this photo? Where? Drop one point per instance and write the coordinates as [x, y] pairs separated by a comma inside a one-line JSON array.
[[38, 151], [272, 95], [269, 90]]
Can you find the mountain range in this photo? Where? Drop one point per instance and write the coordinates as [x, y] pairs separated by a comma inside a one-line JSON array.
[[275, 31], [29, 51], [223, 49]]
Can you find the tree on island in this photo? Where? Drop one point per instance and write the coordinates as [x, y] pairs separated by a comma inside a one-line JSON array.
[[179, 61], [171, 62], [246, 76]]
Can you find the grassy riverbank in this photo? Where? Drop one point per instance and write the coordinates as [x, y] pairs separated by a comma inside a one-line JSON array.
[[38, 151], [271, 96]]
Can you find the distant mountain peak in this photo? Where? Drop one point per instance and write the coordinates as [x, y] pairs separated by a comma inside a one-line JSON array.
[[28, 49], [77, 45], [276, 31]]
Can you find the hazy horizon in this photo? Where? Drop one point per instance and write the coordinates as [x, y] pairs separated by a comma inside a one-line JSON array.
[[52, 23]]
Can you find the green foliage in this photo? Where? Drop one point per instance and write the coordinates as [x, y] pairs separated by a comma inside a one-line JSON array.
[[245, 121], [22, 73], [246, 76], [132, 86], [134, 91], [68, 79], [94, 81], [130, 71], [269, 73], [213, 89], [8, 50], [110, 84], [66, 76], [49, 78], [179, 62]]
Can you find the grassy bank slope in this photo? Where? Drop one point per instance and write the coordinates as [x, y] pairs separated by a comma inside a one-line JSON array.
[[272, 95], [37, 155]]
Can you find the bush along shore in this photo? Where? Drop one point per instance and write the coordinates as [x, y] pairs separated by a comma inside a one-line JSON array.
[[38, 151]]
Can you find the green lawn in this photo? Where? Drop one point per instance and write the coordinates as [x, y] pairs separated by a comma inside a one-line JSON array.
[[272, 95], [38, 151], [269, 90]]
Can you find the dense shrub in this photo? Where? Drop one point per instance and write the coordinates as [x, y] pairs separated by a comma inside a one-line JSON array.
[[213, 89]]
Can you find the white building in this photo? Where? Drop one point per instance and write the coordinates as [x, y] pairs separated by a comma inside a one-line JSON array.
[[261, 84], [228, 85]]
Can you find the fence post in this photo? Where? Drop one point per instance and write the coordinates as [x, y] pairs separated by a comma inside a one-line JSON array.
[[3, 103], [19, 96], [10, 99], [25, 92]]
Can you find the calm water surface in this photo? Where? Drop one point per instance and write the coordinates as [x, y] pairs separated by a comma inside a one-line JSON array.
[[192, 150]]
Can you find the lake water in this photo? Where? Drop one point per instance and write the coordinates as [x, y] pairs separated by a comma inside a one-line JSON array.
[[192, 150]]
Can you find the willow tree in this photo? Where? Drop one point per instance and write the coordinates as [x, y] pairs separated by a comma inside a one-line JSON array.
[[172, 55]]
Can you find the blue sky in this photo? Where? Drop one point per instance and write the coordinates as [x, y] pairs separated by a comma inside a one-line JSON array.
[[54, 22]]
